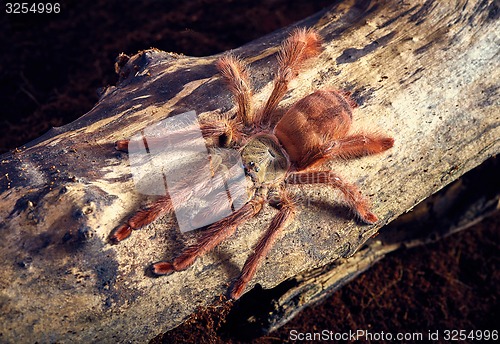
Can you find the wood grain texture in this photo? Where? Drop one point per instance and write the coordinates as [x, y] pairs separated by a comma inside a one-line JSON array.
[[424, 72]]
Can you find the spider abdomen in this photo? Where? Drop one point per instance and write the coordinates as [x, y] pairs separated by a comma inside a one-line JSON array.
[[311, 122]]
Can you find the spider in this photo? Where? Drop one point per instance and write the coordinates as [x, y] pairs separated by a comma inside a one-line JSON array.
[[278, 149]]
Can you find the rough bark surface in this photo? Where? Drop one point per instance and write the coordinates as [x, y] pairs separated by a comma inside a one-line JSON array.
[[425, 72]]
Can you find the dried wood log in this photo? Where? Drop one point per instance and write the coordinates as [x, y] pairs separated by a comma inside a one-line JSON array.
[[458, 206], [425, 72]]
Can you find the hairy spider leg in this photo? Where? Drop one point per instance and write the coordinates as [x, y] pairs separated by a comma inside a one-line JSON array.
[[352, 146], [211, 237], [266, 241], [230, 195], [209, 129], [143, 217], [196, 184], [351, 194], [359, 145], [235, 73], [300, 46]]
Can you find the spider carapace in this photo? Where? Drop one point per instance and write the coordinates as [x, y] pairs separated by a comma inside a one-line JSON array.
[[264, 159], [279, 149]]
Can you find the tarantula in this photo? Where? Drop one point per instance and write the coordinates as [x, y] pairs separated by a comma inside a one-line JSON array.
[[275, 152]]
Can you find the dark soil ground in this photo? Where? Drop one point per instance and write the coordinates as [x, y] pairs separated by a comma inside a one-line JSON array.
[[52, 65]]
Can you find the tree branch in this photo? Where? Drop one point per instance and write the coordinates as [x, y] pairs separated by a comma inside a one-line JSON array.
[[425, 72]]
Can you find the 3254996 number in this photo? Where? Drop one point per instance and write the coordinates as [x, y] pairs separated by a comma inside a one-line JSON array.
[[481, 335], [24, 7]]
